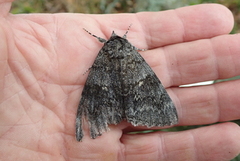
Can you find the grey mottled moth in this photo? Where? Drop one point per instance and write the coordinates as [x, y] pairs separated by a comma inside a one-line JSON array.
[[121, 85]]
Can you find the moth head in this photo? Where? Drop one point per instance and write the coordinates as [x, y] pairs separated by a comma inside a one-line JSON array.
[[116, 46], [113, 34]]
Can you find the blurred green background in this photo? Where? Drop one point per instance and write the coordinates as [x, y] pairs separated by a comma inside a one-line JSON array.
[[122, 6]]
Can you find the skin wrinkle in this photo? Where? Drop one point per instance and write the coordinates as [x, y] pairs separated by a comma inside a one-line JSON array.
[[192, 141], [207, 107], [2, 134], [66, 114], [11, 66], [30, 84], [225, 108], [232, 65], [195, 156], [148, 33], [54, 108], [163, 146], [168, 66], [20, 30], [125, 147], [176, 11], [29, 149], [122, 151], [153, 58], [213, 53], [19, 48], [54, 34], [10, 72], [28, 153], [32, 30], [213, 95], [23, 68], [41, 144], [235, 63], [41, 41], [142, 28], [3, 83], [145, 148], [20, 118], [57, 67], [101, 29], [7, 131], [26, 108], [232, 59], [44, 76], [217, 103], [10, 97], [176, 70], [9, 86], [65, 153], [90, 49], [59, 27], [204, 59], [161, 150]]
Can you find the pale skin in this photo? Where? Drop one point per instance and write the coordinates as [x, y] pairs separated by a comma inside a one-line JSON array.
[[43, 58]]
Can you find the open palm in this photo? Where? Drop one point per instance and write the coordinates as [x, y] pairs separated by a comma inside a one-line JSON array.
[[43, 58]]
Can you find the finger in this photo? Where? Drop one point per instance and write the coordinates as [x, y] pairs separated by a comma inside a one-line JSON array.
[[5, 6], [208, 104], [196, 61], [212, 59], [198, 144], [185, 24]]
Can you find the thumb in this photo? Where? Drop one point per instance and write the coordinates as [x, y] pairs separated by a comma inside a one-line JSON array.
[[5, 6]]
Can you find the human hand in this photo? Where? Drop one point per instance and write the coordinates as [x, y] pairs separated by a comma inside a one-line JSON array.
[[43, 58]]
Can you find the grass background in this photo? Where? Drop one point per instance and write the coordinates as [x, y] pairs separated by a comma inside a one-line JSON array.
[[123, 6]]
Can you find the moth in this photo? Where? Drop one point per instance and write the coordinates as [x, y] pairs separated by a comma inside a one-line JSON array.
[[122, 86]]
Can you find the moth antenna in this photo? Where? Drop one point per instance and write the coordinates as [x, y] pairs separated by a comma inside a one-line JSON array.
[[99, 38], [125, 35]]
